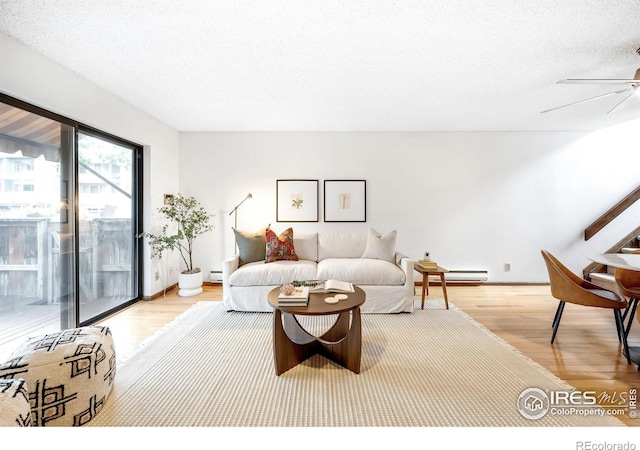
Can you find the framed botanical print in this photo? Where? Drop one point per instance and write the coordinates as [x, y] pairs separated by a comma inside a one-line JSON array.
[[297, 200], [345, 201]]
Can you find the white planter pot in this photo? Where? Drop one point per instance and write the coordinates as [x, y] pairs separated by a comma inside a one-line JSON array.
[[190, 284]]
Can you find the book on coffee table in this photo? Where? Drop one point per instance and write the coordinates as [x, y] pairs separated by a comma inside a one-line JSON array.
[[299, 297], [334, 287]]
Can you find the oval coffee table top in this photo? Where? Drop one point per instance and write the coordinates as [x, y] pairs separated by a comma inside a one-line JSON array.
[[317, 306]]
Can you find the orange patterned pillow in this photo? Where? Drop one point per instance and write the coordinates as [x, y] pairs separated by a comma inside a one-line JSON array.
[[280, 247]]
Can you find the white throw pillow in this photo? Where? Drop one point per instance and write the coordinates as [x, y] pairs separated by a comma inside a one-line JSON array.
[[380, 246], [306, 245]]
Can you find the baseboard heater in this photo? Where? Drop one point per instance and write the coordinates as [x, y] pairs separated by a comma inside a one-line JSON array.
[[466, 276], [216, 276]]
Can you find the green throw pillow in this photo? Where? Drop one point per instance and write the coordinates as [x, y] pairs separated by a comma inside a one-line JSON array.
[[251, 246]]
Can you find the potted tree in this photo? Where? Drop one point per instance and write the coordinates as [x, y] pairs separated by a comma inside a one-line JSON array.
[[186, 220]]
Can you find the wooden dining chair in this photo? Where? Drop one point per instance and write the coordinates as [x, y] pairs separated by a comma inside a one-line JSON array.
[[567, 287]]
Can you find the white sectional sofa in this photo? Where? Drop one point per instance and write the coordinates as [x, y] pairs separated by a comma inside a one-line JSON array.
[[368, 261]]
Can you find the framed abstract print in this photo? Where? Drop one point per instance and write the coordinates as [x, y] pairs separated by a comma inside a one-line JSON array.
[[345, 201]]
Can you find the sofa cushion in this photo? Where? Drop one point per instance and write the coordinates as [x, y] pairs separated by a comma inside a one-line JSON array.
[[274, 273], [380, 246], [279, 248], [251, 245], [306, 245], [341, 245], [361, 271]]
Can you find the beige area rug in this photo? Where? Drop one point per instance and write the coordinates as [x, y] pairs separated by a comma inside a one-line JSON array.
[[434, 367]]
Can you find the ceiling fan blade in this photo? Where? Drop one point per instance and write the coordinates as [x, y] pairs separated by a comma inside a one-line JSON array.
[[589, 99], [621, 102], [599, 81], [634, 82]]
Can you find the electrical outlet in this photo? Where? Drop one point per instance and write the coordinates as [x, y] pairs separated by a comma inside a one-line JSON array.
[[507, 267], [157, 275]]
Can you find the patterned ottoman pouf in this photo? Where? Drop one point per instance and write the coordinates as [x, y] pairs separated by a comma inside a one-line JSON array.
[[69, 374], [14, 404]]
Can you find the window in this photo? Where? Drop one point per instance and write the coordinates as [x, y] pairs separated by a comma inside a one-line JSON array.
[[22, 165]]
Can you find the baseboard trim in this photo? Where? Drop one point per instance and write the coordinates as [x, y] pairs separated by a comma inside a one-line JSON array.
[[160, 293], [175, 286], [483, 283], [453, 283]]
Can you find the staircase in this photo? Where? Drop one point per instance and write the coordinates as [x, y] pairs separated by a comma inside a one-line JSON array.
[[597, 273], [602, 275]]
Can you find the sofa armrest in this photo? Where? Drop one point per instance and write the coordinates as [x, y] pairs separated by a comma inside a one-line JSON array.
[[406, 264], [399, 257], [229, 266]]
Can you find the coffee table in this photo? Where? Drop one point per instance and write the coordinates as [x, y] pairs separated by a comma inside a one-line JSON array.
[[342, 343]]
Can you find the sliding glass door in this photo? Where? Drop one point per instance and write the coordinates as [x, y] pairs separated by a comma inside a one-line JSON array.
[[106, 224], [69, 198], [37, 280]]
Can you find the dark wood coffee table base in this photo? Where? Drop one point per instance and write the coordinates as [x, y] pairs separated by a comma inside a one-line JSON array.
[[292, 344], [342, 343]]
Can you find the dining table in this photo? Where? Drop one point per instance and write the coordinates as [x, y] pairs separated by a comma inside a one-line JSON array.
[[629, 261]]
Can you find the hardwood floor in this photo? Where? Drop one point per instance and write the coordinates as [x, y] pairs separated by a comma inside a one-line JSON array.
[[586, 353]]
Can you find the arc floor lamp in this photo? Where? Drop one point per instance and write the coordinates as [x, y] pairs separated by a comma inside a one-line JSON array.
[[234, 211]]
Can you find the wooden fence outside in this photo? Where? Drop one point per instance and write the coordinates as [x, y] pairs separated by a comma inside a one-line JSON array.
[[30, 259]]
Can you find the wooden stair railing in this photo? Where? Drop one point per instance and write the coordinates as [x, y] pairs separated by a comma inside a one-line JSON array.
[[614, 212]]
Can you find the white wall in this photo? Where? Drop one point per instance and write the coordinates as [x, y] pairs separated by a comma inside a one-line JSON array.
[[474, 200], [26, 75]]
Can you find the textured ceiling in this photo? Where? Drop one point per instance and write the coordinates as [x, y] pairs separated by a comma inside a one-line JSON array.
[[330, 65]]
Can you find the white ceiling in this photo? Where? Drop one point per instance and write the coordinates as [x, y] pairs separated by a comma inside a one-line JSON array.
[[340, 65]]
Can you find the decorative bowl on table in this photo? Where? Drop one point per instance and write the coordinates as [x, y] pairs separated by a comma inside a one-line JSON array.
[[287, 289]]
